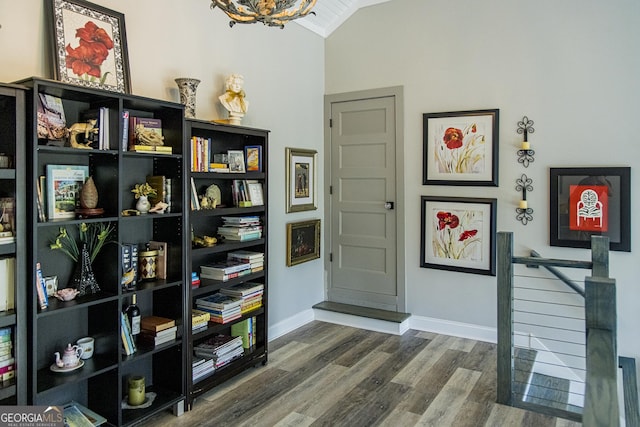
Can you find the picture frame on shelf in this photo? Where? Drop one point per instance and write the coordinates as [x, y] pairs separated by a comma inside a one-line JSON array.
[[461, 148], [458, 234], [303, 241], [300, 179], [256, 195], [51, 285], [64, 183], [72, 21], [587, 202], [236, 161], [253, 155]]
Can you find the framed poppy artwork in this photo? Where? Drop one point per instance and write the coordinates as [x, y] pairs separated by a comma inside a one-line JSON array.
[[587, 202], [458, 234], [89, 45], [461, 148]]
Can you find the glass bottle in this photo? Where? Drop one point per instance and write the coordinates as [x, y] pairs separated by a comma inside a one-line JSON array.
[[133, 313]]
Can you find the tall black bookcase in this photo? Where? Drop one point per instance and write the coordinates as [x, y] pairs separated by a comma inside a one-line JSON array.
[[12, 185], [101, 384], [222, 138]]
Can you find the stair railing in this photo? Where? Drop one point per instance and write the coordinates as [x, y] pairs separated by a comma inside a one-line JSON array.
[[600, 390]]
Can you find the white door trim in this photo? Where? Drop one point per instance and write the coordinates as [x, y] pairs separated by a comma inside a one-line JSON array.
[[397, 93]]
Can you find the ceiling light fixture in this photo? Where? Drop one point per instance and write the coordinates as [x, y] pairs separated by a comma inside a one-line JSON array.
[[274, 13]]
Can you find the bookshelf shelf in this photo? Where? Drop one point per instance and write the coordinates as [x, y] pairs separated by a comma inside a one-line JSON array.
[[101, 384], [219, 140]]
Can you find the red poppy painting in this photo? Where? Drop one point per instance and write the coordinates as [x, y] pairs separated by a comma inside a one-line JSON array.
[[90, 45], [461, 148], [457, 234]]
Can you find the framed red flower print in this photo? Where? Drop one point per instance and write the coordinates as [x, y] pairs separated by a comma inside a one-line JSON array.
[[89, 45]]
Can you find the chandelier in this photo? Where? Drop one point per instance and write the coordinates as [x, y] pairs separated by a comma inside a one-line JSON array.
[[274, 13]]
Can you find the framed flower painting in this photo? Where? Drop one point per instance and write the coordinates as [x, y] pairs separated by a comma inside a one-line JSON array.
[[458, 234], [461, 148], [89, 45]]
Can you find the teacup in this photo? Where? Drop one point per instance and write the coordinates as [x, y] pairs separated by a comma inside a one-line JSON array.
[[87, 345]]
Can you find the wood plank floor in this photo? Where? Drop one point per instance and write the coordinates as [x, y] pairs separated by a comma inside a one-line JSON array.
[[331, 375]]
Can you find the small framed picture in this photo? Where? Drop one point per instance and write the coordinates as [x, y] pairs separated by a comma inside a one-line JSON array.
[[458, 234], [256, 195], [587, 202], [253, 154], [89, 45], [236, 161], [51, 284], [303, 241], [301, 179]]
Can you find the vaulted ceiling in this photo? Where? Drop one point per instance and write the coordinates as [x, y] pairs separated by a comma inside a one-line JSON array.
[[330, 14]]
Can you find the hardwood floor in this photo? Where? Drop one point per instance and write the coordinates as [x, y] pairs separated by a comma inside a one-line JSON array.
[[331, 375]]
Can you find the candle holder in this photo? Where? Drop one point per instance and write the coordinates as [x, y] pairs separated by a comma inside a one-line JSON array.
[[525, 153], [524, 213]]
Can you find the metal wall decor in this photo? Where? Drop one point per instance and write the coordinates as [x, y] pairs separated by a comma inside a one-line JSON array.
[[525, 153], [524, 212]]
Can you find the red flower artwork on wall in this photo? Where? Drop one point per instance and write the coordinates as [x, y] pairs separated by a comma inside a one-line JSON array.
[[93, 49]]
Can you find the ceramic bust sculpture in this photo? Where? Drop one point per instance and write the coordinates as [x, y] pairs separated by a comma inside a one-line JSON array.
[[233, 99]]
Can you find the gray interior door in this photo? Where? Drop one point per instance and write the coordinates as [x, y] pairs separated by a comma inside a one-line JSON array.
[[363, 196]]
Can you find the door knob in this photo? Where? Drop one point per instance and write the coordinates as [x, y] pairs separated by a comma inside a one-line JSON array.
[[388, 205]]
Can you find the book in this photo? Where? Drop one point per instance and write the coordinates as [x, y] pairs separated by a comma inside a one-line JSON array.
[[52, 123], [161, 258], [195, 201], [41, 288], [145, 130], [7, 216], [156, 323], [156, 149], [7, 284], [93, 417], [218, 301], [64, 183], [42, 217], [243, 289], [253, 154], [243, 330], [73, 417], [225, 267], [158, 183], [160, 334], [125, 130], [151, 340], [244, 255]]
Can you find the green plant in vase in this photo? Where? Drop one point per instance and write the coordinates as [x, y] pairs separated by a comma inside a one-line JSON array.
[[92, 238]]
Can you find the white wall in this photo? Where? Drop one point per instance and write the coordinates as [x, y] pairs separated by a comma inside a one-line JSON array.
[[571, 66], [283, 72]]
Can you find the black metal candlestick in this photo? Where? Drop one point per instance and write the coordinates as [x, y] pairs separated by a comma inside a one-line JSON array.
[[525, 153], [524, 213]]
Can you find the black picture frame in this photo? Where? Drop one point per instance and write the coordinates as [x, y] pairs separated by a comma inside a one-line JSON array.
[[102, 31], [303, 241], [458, 234], [461, 148], [570, 228]]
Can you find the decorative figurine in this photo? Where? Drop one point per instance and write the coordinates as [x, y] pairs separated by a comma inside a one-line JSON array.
[[88, 129], [234, 98]]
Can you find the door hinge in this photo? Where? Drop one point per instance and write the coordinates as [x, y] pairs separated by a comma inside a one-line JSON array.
[[330, 123], [331, 189], [330, 257]]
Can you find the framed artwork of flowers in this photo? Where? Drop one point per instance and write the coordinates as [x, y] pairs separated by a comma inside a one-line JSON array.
[[89, 45], [587, 202], [458, 234], [461, 148]]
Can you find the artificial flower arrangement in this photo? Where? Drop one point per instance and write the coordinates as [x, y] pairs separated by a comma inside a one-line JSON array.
[[94, 235], [144, 190]]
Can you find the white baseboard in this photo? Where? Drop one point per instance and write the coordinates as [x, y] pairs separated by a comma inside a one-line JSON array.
[[455, 329], [290, 324], [420, 323]]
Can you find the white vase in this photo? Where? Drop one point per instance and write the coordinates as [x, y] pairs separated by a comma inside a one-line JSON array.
[[187, 87], [143, 205]]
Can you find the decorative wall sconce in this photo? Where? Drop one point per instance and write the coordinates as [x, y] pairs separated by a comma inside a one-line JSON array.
[[524, 212], [525, 153]]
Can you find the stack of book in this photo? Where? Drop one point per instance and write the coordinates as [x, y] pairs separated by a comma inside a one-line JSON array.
[[145, 135], [255, 259], [223, 349], [156, 330], [250, 295], [7, 361], [240, 228], [199, 320], [221, 308], [201, 367], [225, 270]]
